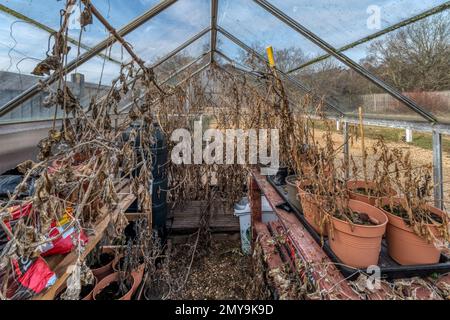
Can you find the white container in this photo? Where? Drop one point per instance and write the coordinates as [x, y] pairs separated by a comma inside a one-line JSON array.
[[243, 211]]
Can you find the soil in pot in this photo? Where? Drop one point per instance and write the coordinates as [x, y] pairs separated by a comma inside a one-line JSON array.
[[358, 244], [358, 218], [103, 264], [367, 191], [156, 291], [114, 291], [404, 245], [427, 216], [87, 290], [121, 264], [103, 260]]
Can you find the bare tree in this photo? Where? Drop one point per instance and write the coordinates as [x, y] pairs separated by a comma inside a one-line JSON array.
[[415, 58]]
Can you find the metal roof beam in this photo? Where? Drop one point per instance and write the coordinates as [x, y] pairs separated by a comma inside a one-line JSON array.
[[174, 75]]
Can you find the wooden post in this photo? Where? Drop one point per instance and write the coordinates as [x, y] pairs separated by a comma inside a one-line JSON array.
[[255, 206]]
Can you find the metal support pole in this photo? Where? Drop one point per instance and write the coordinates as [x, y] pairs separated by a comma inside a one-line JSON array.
[[437, 171], [345, 59], [114, 32], [32, 91], [345, 128]]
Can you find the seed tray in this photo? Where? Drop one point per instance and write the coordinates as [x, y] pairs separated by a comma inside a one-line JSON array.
[[388, 267]]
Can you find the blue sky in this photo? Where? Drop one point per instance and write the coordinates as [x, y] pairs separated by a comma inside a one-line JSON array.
[[337, 21]]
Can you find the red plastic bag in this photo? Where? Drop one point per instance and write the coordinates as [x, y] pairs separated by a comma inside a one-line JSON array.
[[21, 211], [30, 277], [66, 237]]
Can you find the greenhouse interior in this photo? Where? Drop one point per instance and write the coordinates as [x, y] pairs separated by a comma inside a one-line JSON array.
[[224, 150]]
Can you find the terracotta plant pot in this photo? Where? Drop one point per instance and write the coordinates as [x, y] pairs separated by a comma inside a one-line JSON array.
[[312, 208], [114, 277], [291, 186], [89, 296], [358, 246], [406, 247], [359, 184], [107, 269]]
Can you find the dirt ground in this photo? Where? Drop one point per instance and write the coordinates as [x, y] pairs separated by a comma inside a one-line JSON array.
[[419, 156], [223, 273]]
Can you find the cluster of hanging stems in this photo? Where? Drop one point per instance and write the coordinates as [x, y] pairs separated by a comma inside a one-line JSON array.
[[82, 161]]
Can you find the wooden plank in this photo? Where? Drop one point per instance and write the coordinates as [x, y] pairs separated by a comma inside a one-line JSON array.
[[65, 267], [329, 279], [186, 219], [271, 257]]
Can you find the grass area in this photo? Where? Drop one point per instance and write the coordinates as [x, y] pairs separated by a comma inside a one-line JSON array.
[[420, 139]]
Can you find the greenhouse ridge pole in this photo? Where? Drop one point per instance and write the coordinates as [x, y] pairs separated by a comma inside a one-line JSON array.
[[32, 91], [344, 59], [214, 13], [297, 83], [380, 33], [49, 30]]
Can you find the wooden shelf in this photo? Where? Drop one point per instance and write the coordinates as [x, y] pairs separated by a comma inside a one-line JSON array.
[[63, 265]]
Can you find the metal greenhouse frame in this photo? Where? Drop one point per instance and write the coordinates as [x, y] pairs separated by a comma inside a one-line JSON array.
[[431, 123]]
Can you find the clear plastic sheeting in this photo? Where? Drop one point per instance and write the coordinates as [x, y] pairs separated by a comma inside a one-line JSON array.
[[414, 59], [258, 29], [168, 30], [340, 22], [349, 91], [189, 54]]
